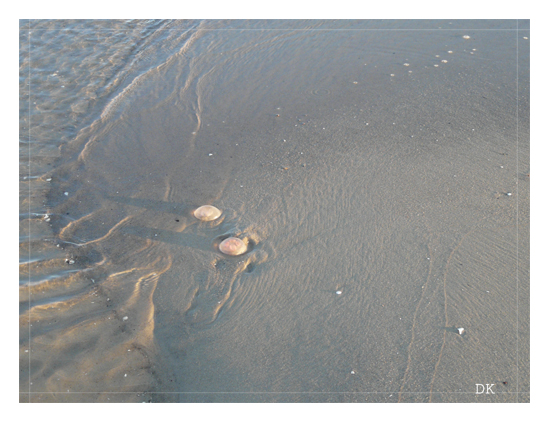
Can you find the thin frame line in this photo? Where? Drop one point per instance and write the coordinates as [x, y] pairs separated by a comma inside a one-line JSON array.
[[30, 181], [292, 29], [517, 201], [274, 392]]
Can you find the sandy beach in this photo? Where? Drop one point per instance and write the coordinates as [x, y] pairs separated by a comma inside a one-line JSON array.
[[377, 171]]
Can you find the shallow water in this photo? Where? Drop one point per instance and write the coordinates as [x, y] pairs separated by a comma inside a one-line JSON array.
[[367, 163]]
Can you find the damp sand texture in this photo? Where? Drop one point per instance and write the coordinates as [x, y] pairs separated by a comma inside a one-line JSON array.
[[378, 172]]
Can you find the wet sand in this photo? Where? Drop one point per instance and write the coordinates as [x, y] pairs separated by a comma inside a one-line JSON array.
[[378, 171]]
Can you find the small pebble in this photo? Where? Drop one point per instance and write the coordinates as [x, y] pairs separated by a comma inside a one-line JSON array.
[[352, 372], [66, 194], [466, 37], [508, 194], [461, 331], [125, 318], [338, 292]]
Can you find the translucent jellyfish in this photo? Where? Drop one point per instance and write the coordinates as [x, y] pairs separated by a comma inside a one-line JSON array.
[[233, 246], [207, 213]]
